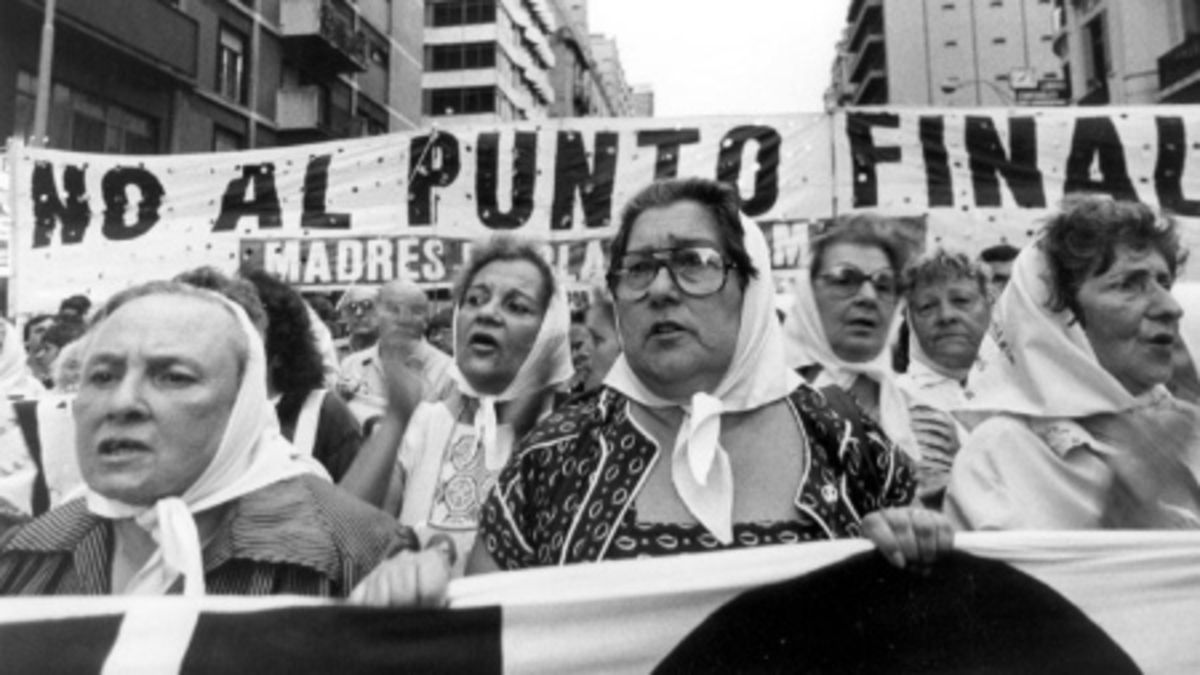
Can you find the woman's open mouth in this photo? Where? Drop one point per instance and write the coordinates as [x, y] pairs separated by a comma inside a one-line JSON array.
[[117, 448], [665, 329], [483, 343]]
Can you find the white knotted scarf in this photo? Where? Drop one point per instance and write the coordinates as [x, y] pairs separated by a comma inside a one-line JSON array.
[[550, 354], [757, 375], [1038, 363], [807, 343], [252, 454]]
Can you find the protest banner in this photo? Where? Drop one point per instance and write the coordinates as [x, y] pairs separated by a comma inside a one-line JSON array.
[[408, 205], [1094, 602]]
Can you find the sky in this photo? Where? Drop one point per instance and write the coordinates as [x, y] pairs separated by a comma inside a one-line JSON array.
[[716, 57]]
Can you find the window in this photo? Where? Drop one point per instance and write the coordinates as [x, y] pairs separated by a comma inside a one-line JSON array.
[[85, 122], [999, 41], [231, 65], [464, 56], [226, 140], [461, 101], [1191, 17], [951, 43], [1095, 52], [460, 12]]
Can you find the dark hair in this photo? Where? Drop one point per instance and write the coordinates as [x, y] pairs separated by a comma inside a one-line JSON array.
[[78, 303], [62, 333], [173, 287], [941, 266], [499, 248], [293, 361], [33, 321], [999, 253], [238, 290], [863, 229], [719, 199], [1081, 240], [322, 306]]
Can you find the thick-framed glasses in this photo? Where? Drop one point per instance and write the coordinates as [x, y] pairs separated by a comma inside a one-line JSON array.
[[845, 282], [697, 271], [359, 307]]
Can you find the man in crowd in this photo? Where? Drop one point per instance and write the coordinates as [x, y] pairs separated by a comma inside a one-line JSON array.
[[357, 312], [999, 261], [402, 316]]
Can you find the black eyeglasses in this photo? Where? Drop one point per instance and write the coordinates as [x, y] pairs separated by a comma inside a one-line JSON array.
[[846, 282], [359, 306], [697, 271]]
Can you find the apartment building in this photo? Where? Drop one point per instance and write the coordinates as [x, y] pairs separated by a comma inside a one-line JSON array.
[[1131, 51], [949, 53], [158, 76]]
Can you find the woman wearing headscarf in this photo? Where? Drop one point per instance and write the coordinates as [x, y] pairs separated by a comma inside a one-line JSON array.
[[190, 487], [837, 333], [511, 351], [1072, 426], [948, 309], [701, 438]]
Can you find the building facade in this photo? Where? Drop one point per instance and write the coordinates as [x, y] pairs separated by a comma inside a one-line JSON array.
[[643, 100], [488, 60], [1131, 52], [579, 92], [612, 75], [157, 76], [949, 53]]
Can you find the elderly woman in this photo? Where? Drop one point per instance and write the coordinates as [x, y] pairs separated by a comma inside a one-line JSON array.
[[189, 485], [510, 336], [948, 309], [701, 438], [837, 335], [1077, 431]]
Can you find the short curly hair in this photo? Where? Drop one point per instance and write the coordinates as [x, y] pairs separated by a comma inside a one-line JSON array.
[[503, 247], [863, 229], [720, 199], [940, 266], [1081, 240]]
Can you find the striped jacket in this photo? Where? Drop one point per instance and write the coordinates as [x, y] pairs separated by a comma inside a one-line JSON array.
[[299, 536]]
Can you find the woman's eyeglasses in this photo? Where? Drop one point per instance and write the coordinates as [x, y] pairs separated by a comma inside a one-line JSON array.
[[697, 271], [847, 281]]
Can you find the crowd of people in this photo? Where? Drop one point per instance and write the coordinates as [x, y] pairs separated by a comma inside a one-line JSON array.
[[223, 434]]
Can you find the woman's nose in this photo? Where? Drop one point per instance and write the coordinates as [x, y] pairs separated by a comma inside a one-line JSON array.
[[662, 284], [1164, 306], [126, 398]]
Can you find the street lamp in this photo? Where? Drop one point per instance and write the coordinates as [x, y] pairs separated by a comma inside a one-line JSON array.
[[951, 86]]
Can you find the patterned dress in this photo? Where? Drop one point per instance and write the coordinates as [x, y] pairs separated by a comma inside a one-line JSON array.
[[568, 494]]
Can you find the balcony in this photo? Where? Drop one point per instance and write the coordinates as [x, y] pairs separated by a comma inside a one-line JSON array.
[[321, 36], [149, 30], [872, 57], [869, 22], [304, 114], [1179, 68], [873, 90]]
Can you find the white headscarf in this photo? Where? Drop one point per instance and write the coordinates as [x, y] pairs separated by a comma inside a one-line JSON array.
[[252, 455], [807, 343], [16, 380], [1188, 296], [757, 375], [551, 344], [1039, 363]]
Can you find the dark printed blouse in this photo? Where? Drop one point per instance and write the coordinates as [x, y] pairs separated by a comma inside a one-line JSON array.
[[568, 494]]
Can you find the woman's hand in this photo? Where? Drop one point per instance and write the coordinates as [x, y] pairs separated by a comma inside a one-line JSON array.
[[406, 580], [1152, 486], [938, 439], [909, 537]]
